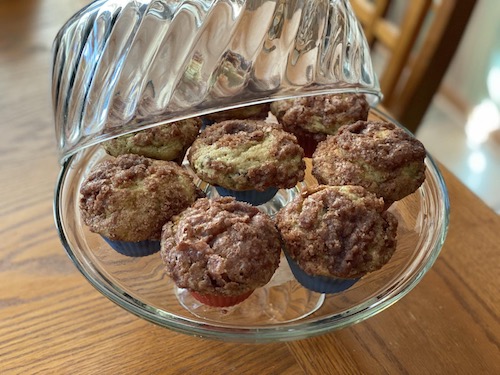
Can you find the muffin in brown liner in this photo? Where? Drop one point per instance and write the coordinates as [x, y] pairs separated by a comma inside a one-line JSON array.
[[220, 249], [312, 118]]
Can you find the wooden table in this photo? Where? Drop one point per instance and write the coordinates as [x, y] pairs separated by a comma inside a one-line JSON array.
[[53, 321]]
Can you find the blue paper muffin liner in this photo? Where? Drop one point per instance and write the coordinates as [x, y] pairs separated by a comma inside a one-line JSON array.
[[134, 249], [320, 284], [205, 122], [254, 197]]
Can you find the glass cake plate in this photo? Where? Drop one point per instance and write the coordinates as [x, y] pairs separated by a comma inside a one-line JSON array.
[[124, 65], [281, 310]]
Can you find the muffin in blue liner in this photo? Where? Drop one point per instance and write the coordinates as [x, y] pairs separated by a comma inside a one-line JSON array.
[[247, 159], [320, 284], [378, 155], [254, 197], [334, 235], [134, 249], [162, 142], [128, 199]]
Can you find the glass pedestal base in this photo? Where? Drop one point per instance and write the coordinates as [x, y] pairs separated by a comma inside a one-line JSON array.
[[282, 300], [271, 207]]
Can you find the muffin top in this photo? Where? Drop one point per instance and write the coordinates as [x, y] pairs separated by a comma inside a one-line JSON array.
[[253, 112], [375, 154], [220, 246], [130, 197], [338, 231], [247, 155], [163, 142], [320, 115]]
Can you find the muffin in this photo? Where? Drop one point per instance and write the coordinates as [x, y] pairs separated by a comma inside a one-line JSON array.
[[220, 250], [162, 142], [377, 155], [312, 118], [334, 235], [252, 112], [128, 199], [248, 159]]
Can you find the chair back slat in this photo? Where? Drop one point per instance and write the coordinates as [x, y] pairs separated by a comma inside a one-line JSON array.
[[410, 44]]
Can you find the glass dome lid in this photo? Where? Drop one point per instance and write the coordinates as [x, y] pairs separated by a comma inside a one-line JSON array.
[[123, 65]]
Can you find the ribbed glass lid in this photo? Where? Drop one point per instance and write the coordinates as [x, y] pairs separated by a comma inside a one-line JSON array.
[[123, 65]]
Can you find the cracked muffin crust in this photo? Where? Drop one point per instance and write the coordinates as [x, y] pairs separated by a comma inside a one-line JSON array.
[[377, 155], [338, 231], [247, 155], [318, 116], [220, 247], [129, 198]]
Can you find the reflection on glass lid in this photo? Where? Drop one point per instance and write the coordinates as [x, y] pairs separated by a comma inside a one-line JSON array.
[[123, 65]]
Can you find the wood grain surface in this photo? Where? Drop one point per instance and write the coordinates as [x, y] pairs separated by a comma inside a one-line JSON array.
[[53, 322]]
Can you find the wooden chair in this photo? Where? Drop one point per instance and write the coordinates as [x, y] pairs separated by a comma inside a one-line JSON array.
[[417, 48]]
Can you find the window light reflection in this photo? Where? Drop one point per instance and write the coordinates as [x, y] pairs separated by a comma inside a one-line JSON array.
[[484, 119], [477, 162]]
